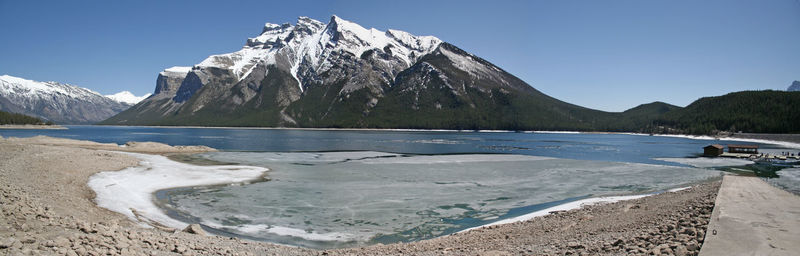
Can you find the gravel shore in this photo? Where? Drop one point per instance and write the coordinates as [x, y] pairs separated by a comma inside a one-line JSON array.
[[47, 209]]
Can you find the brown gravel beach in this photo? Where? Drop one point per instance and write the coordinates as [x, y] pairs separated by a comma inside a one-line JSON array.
[[47, 209]]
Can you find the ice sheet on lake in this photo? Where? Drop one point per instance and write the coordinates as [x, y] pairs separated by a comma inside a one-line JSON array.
[[789, 179], [365, 196], [132, 189], [703, 137], [704, 162], [453, 159], [255, 158]]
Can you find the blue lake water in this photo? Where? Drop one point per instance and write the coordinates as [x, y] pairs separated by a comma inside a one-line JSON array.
[[603, 147], [337, 188]]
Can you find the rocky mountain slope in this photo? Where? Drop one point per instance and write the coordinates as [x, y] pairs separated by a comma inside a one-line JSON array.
[[340, 74], [56, 102]]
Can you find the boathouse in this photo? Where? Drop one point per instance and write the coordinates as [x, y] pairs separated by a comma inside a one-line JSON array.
[[746, 149], [713, 150]]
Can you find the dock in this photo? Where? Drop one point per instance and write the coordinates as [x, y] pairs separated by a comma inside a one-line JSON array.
[[751, 217]]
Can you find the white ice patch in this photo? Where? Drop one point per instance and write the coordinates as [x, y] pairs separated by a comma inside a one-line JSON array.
[[781, 143], [132, 189], [705, 162], [293, 232], [315, 157], [789, 179]]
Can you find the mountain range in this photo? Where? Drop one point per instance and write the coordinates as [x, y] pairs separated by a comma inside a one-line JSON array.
[[60, 103]]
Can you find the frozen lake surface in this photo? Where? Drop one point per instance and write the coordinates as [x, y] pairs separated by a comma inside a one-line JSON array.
[[351, 198]]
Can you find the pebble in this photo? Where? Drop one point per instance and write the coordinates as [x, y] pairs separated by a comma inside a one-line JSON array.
[[195, 229]]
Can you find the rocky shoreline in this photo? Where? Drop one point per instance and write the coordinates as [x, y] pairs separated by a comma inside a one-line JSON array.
[[47, 209]]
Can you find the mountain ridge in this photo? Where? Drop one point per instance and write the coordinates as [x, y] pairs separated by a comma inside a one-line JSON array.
[[56, 102], [342, 75]]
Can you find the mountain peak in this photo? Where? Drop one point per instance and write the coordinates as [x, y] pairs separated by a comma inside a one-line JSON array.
[[795, 87], [272, 26], [306, 21], [127, 97], [336, 19]]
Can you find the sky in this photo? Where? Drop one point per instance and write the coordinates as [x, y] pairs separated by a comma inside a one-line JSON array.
[[607, 55]]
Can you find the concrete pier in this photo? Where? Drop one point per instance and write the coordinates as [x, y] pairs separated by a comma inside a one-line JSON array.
[[751, 217]]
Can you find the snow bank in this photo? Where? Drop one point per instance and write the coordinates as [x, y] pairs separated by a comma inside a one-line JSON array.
[[130, 191], [562, 207], [571, 206]]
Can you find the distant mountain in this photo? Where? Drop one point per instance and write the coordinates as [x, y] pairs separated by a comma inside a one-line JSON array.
[[794, 87], [748, 111], [127, 97], [56, 102], [339, 74]]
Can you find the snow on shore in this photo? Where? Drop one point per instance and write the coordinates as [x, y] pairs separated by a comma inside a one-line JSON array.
[[571, 206], [130, 191]]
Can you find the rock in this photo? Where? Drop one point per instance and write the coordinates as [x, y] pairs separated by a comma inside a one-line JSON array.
[[692, 246], [81, 251], [62, 242], [681, 250], [7, 242], [86, 228], [195, 229], [180, 248], [574, 245], [28, 240], [121, 245]]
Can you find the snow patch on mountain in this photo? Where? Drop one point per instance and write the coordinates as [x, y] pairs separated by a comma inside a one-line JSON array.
[[178, 69], [127, 97], [311, 42], [20, 87]]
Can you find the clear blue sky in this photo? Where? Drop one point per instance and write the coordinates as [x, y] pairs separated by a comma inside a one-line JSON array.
[[608, 55]]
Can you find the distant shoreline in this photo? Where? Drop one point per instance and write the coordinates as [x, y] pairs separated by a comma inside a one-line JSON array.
[[32, 126], [788, 140]]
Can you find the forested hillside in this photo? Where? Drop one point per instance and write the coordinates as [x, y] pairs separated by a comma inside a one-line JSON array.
[[14, 118]]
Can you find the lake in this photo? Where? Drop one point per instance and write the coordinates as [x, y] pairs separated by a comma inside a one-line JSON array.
[[341, 188]]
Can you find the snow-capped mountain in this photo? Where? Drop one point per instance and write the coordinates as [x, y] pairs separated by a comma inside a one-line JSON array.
[[127, 97], [56, 102], [340, 74]]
